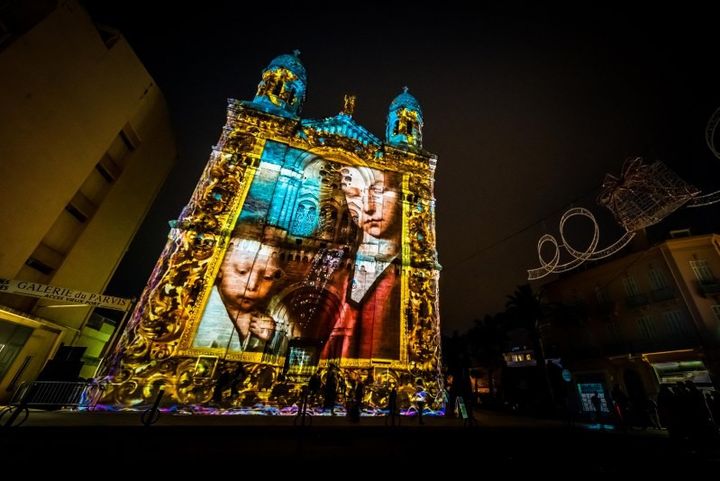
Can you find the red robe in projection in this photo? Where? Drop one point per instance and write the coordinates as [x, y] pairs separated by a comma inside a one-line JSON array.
[[370, 329]]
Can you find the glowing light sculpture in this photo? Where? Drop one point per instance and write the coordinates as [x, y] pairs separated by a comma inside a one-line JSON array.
[[306, 244], [578, 257], [643, 195]]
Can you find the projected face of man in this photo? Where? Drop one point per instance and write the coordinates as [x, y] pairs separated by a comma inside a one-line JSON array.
[[247, 275], [373, 200]]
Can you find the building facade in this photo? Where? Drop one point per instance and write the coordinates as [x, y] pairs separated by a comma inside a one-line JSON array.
[[308, 247], [649, 318], [85, 145]]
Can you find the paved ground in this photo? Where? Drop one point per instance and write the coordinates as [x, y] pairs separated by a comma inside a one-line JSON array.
[[498, 443]]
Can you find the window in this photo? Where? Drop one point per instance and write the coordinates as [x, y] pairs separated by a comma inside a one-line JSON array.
[[658, 279], [105, 173], [110, 169], [125, 138], [305, 219], [702, 271], [586, 392], [646, 326], [716, 311], [676, 323], [119, 148], [75, 212], [96, 185], [674, 234], [39, 266], [631, 287], [97, 320]]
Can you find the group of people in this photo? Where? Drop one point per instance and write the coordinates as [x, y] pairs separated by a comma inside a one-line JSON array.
[[683, 409], [326, 393], [687, 413], [254, 276], [330, 389]]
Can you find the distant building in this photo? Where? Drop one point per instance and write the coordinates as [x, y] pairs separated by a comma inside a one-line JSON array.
[[85, 145], [649, 318]]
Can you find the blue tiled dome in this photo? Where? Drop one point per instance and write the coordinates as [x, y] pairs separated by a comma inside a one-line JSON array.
[[406, 100], [292, 63]]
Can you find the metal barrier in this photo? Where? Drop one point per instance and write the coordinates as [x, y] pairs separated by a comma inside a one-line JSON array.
[[50, 395]]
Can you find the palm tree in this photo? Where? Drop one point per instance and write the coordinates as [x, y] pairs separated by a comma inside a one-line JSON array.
[[527, 309], [485, 343]]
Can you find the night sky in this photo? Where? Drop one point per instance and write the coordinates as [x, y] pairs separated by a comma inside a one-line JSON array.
[[526, 107]]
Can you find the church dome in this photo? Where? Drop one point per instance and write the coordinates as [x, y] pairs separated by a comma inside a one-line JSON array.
[[282, 88], [404, 122], [291, 63], [406, 100]]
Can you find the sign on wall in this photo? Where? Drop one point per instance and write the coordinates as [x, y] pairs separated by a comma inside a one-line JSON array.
[[34, 289]]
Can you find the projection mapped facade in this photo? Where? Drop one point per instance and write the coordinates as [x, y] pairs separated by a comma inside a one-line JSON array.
[[307, 244]]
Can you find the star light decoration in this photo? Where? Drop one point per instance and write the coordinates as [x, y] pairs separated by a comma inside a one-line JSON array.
[[643, 195]]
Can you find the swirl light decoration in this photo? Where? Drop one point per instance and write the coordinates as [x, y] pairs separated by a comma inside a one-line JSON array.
[[643, 195], [578, 257]]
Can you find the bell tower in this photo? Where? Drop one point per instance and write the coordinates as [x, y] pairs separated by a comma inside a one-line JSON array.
[[282, 88]]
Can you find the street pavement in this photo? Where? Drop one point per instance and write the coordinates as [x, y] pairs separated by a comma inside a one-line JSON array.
[[494, 443]]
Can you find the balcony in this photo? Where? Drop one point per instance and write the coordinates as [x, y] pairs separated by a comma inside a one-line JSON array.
[[663, 294], [709, 287], [636, 300]]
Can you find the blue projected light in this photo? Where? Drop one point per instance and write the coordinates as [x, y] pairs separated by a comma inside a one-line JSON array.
[[404, 122]]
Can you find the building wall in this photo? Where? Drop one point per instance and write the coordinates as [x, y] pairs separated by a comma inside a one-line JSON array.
[[700, 295], [86, 144], [644, 305]]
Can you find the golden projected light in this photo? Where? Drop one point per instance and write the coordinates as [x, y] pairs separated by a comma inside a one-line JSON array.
[[307, 244]]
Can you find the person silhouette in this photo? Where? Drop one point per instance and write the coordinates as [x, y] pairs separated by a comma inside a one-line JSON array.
[[392, 404], [597, 406], [314, 384], [330, 391], [358, 401], [222, 383], [420, 401]]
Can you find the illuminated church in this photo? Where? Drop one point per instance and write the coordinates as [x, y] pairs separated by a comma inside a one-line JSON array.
[[307, 251]]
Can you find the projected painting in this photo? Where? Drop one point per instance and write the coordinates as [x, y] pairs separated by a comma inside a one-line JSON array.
[[315, 254], [307, 247]]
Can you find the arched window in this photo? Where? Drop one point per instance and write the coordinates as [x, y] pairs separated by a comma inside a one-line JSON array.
[[304, 223]]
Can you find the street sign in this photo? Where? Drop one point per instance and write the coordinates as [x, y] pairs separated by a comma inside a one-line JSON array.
[[35, 289]]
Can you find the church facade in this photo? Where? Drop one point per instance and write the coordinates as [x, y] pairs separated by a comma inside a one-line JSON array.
[[308, 247]]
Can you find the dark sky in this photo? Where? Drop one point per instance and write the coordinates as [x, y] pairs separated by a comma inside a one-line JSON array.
[[527, 108]]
